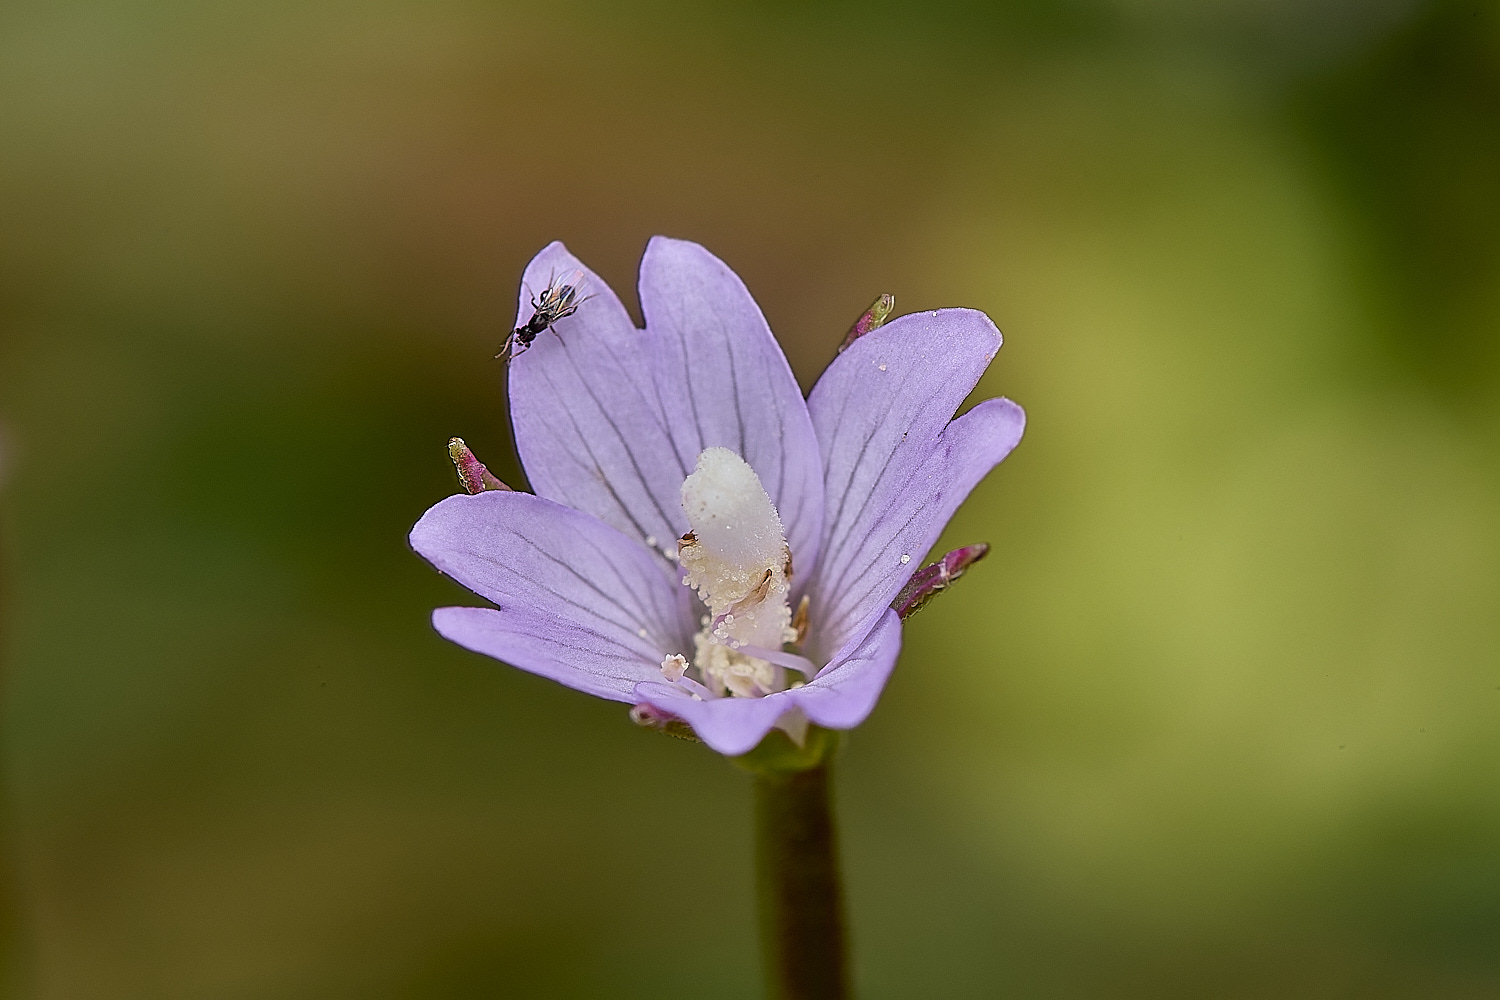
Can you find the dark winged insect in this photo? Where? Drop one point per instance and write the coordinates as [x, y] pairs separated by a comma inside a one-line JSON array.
[[558, 300]]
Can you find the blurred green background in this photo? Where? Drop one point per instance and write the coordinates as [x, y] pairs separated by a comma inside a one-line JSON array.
[[1219, 717]]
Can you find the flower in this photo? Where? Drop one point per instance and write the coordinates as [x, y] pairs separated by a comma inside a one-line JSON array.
[[688, 499]]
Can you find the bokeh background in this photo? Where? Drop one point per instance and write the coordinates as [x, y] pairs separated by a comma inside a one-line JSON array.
[[1220, 716]]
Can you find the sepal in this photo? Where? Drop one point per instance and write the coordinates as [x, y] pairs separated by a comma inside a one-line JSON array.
[[931, 580], [651, 717], [778, 753], [880, 310], [471, 471]]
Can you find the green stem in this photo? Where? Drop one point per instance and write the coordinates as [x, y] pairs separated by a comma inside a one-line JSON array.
[[801, 899]]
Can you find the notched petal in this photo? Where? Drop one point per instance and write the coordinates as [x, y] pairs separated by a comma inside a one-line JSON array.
[[723, 381], [896, 463]]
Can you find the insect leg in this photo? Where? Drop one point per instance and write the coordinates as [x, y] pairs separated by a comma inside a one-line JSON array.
[[508, 348]]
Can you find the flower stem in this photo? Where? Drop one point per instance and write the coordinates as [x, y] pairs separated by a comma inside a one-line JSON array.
[[801, 898]]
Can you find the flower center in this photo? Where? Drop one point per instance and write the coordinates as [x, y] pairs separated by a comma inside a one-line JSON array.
[[736, 557]]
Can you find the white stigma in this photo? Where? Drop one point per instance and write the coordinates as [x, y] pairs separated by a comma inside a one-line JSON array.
[[736, 558], [734, 521]]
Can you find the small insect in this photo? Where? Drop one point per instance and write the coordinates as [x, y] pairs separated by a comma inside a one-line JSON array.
[[558, 300]]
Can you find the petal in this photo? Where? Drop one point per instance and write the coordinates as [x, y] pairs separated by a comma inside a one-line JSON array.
[[559, 650], [557, 572], [723, 381], [845, 692], [731, 726], [590, 430], [895, 468]]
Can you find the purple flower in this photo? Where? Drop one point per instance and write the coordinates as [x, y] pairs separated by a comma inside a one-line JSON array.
[[696, 521]]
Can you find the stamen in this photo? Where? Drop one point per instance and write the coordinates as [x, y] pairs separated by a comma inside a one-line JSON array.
[[672, 667], [799, 622]]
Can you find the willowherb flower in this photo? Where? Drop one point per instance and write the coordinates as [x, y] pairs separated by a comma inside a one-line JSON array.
[[704, 544]]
